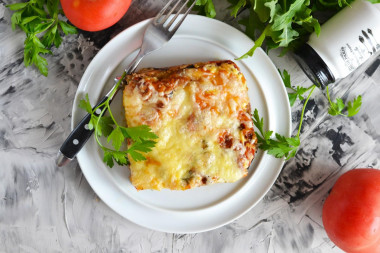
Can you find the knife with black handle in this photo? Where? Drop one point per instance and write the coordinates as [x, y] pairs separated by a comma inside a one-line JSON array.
[[80, 135]]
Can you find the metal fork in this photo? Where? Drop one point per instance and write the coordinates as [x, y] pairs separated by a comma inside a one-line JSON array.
[[159, 31]]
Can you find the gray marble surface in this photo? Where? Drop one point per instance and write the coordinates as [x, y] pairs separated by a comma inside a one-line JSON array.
[[48, 209]]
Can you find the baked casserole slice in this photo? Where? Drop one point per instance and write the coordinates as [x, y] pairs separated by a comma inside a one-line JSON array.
[[202, 116]]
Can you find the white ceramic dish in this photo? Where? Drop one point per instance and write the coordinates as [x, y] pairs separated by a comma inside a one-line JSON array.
[[205, 208]]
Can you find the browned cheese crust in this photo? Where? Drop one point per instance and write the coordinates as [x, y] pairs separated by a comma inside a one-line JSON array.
[[202, 116]]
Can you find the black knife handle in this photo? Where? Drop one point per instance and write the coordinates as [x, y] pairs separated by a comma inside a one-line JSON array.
[[79, 136]]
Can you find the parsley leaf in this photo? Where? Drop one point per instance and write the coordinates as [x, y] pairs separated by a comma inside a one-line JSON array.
[[120, 158], [116, 137], [66, 28], [338, 107], [40, 21], [205, 7], [285, 78], [108, 158], [137, 156], [298, 93], [143, 146], [354, 107], [139, 133], [105, 126], [280, 146], [294, 93], [140, 139], [85, 104], [17, 6]]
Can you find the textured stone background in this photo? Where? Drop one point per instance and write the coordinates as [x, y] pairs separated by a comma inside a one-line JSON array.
[[48, 209]]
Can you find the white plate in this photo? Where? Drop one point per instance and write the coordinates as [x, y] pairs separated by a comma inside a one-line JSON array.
[[204, 208]]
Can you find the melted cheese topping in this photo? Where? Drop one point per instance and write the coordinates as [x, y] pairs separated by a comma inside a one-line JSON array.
[[201, 116]]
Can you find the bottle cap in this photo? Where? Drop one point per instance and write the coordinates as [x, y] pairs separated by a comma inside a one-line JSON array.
[[313, 66]]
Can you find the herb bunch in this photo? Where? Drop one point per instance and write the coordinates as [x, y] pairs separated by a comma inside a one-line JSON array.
[[277, 23], [140, 138], [42, 23]]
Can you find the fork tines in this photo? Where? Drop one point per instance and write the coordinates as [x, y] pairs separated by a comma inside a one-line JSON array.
[[162, 17]]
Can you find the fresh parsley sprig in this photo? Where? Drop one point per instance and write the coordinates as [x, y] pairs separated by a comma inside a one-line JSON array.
[[338, 107], [41, 22], [141, 138], [294, 93], [287, 147], [277, 23], [280, 146]]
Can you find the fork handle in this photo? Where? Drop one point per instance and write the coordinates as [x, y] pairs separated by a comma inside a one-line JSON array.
[[78, 137]]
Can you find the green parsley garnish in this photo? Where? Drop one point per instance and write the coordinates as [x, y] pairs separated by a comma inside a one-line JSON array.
[[281, 146], [277, 23], [295, 92], [337, 108], [141, 138], [40, 21]]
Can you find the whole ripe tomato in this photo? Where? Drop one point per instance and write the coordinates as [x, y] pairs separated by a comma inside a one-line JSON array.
[[351, 213], [94, 15]]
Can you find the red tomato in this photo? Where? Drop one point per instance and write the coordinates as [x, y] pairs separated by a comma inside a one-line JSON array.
[[94, 15], [351, 213]]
